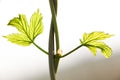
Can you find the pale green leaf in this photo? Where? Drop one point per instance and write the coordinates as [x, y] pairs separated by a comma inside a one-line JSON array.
[[28, 32], [105, 49], [36, 25], [85, 36], [20, 23], [93, 41], [19, 39], [97, 35], [93, 50]]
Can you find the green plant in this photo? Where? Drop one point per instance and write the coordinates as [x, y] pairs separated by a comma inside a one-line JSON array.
[[28, 33]]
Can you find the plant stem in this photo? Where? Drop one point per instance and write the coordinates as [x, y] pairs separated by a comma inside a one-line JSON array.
[[51, 53], [53, 6], [53, 28], [71, 51], [40, 48]]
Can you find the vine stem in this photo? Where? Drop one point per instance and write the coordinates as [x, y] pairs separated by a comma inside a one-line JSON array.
[[51, 53], [53, 30], [54, 58], [53, 6]]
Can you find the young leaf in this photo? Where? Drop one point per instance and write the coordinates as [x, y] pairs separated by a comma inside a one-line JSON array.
[[19, 39], [93, 49], [36, 25], [20, 23], [93, 41], [27, 32]]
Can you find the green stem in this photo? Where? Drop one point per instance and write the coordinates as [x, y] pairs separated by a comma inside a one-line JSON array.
[[71, 51], [51, 53], [40, 48], [53, 60], [53, 6]]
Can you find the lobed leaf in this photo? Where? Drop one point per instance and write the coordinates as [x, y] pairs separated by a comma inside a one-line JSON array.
[[19, 39], [27, 32], [20, 23], [93, 49], [93, 41], [95, 36], [36, 25]]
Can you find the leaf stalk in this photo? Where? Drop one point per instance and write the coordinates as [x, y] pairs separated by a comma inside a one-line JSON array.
[[40, 48], [71, 51]]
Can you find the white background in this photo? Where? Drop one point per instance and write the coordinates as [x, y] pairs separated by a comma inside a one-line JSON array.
[[74, 18]]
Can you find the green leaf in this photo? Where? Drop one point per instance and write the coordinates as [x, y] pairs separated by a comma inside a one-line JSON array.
[[93, 41], [27, 32], [19, 39], [36, 25], [20, 23], [95, 36], [93, 49]]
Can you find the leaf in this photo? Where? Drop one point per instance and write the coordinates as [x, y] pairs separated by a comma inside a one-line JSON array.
[[93, 50], [95, 36], [27, 32], [36, 25], [93, 41], [19, 39], [20, 23]]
